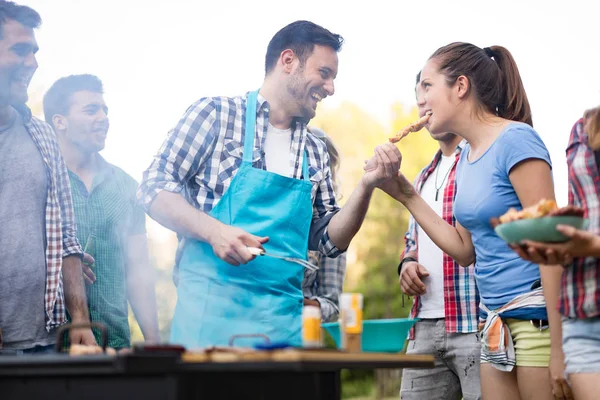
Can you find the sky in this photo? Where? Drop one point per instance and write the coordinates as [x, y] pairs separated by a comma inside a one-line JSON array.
[[157, 57]]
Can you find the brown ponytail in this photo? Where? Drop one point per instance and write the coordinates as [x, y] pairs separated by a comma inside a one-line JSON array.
[[592, 127], [515, 99], [495, 82]]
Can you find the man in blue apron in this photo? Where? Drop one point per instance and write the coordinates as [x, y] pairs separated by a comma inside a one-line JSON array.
[[244, 172]]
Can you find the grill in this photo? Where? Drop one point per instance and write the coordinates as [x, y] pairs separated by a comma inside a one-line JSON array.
[[165, 372]]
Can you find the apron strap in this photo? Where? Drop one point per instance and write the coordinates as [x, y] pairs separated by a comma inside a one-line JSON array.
[[305, 175], [250, 130]]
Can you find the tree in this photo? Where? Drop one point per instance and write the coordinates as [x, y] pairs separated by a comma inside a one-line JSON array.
[[375, 251]]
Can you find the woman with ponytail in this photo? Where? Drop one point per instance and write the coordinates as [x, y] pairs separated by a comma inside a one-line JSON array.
[[478, 94]]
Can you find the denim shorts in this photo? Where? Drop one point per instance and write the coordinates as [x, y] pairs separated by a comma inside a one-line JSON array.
[[581, 345]]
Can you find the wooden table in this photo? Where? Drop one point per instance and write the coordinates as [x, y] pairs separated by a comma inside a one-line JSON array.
[[276, 375]]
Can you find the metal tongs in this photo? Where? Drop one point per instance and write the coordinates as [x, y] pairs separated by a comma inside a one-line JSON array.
[[260, 252]]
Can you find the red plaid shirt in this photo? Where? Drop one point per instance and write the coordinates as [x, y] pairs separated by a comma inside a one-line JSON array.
[[461, 298], [580, 294], [61, 240]]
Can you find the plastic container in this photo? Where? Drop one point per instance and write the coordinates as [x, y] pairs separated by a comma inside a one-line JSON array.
[[538, 229], [379, 335], [311, 327], [351, 308]]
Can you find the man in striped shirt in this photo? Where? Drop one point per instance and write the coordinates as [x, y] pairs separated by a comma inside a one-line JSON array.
[[109, 222], [285, 200]]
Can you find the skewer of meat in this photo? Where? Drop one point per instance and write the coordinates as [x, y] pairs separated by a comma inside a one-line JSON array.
[[414, 127]]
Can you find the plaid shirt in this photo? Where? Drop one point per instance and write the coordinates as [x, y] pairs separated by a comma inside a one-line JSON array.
[[580, 294], [61, 240], [461, 298], [109, 212], [326, 284], [202, 154]]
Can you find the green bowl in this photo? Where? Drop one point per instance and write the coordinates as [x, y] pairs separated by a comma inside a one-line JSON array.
[[379, 335], [538, 229]]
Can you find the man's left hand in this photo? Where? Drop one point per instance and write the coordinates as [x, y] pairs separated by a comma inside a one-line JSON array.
[[82, 336], [86, 266], [152, 338], [384, 165], [309, 302]]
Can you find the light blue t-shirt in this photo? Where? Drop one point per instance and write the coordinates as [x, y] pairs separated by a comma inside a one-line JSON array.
[[484, 191]]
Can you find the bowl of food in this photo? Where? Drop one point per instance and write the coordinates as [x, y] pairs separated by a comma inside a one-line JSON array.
[[379, 335], [538, 223]]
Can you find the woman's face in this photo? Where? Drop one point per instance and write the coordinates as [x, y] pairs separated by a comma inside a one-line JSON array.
[[436, 96]]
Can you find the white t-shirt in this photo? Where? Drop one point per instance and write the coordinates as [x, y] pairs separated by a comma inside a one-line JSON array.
[[430, 256], [278, 155]]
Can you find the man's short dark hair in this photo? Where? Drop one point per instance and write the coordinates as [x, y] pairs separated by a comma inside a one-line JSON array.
[[301, 37], [57, 99], [24, 15]]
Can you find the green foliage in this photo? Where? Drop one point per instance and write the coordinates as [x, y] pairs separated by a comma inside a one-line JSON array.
[[357, 383], [375, 252]]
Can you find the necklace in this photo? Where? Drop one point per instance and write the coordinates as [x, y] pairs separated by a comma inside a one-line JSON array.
[[437, 170]]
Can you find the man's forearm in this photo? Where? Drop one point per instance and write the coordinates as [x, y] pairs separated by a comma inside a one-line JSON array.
[[142, 298], [140, 286], [344, 225], [174, 212], [74, 287]]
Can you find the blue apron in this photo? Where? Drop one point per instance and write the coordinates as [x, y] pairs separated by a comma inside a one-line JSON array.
[[217, 300]]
